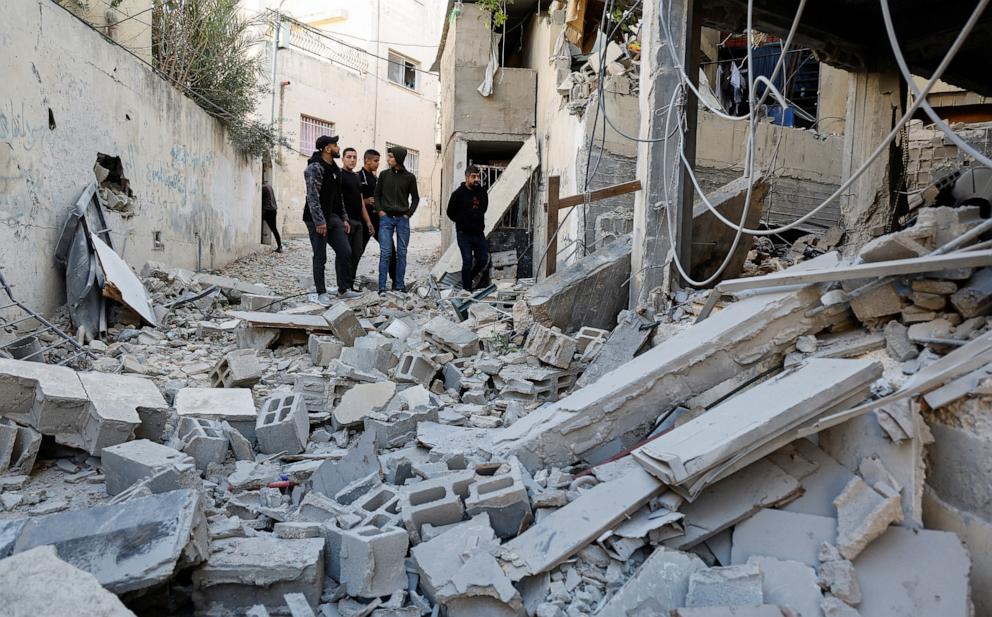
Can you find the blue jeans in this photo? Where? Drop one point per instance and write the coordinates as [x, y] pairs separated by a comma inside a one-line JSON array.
[[387, 225], [475, 256]]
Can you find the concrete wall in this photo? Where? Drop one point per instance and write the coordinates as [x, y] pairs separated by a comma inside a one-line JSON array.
[[930, 151], [190, 183], [129, 23], [367, 109]]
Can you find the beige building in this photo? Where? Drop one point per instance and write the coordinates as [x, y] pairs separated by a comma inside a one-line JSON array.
[[358, 70]]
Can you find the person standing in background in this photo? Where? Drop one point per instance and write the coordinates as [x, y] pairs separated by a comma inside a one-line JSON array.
[[358, 218], [467, 208], [269, 209], [396, 200], [367, 176]]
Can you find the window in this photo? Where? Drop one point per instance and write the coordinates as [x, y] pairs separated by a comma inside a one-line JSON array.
[[412, 162], [310, 130], [402, 71]]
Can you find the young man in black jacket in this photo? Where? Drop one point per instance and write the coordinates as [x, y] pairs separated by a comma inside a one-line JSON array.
[[467, 208], [358, 218], [326, 219], [368, 179], [396, 199]]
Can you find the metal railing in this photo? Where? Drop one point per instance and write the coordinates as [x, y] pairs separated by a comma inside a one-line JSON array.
[[490, 174], [306, 39]]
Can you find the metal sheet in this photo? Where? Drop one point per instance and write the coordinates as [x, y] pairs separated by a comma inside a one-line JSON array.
[[123, 284]]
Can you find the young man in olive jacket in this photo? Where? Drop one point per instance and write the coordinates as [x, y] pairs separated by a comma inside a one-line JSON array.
[[467, 208], [396, 199]]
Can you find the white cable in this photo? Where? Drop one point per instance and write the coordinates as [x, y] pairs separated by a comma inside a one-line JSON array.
[[955, 47], [937, 120]]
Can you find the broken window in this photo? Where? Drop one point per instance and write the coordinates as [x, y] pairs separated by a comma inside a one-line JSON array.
[[310, 129], [402, 71]]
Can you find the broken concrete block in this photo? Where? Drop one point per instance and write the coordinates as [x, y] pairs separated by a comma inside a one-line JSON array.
[[362, 400], [260, 302], [878, 302], [298, 605], [615, 412], [372, 560], [242, 448], [361, 461], [914, 572], [256, 337], [232, 405], [897, 342], [834, 607], [237, 369], [323, 349], [863, 515], [627, 338], [396, 428], [558, 300], [788, 584], [439, 559], [934, 286], [729, 200], [928, 301], [836, 575], [503, 497], [588, 341], [416, 367], [452, 337], [51, 399], [765, 610], [36, 582], [244, 572], [204, 440], [127, 463], [398, 329], [480, 588], [550, 347], [788, 536], [25, 449], [8, 435], [726, 586], [344, 324], [658, 587], [117, 403], [975, 298], [170, 529], [437, 501], [283, 424]]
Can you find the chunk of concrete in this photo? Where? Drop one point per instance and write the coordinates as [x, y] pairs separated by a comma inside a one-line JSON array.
[[244, 572], [789, 584], [627, 338], [897, 342], [113, 414], [836, 575], [725, 586], [975, 298], [439, 560], [602, 419], [237, 369], [765, 610], [283, 425], [863, 515], [51, 399], [22, 451], [204, 440], [362, 400], [783, 535], [658, 587], [729, 200], [415, 367], [323, 349], [558, 300], [170, 529], [481, 588], [36, 582], [362, 460], [127, 463], [822, 478], [344, 324], [452, 337], [372, 560], [503, 496], [835, 607], [975, 532], [550, 346], [232, 405]]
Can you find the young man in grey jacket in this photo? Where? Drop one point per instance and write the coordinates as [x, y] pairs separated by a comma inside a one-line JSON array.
[[396, 199]]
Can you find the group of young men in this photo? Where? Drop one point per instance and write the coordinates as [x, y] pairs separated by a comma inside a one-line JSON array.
[[345, 208]]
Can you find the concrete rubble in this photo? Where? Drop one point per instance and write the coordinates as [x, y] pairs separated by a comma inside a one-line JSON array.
[[522, 452]]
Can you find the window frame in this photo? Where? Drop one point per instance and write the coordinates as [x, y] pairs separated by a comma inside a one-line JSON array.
[[319, 126], [408, 64]]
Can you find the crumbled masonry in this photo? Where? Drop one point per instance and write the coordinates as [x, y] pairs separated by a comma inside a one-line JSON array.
[[392, 456]]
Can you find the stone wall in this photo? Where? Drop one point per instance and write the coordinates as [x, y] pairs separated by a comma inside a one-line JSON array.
[[930, 151]]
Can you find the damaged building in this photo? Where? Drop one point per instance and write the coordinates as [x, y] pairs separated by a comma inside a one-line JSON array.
[[731, 355]]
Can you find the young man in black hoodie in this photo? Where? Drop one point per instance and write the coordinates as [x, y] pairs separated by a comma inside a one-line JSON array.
[[467, 208], [326, 219], [396, 199], [368, 177]]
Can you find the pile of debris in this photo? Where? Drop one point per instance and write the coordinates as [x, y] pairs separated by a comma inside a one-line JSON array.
[[440, 453]]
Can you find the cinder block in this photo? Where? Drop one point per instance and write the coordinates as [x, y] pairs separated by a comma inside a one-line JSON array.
[[252, 337], [437, 501], [398, 329], [232, 405], [416, 367], [317, 392], [259, 302], [499, 491], [49, 398], [381, 504], [452, 337], [117, 403], [588, 341], [522, 382], [127, 463], [397, 428], [323, 349], [373, 560], [551, 346], [365, 359], [237, 369], [344, 324], [204, 440], [283, 424]]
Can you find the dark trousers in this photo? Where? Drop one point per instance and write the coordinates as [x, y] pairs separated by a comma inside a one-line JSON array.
[[338, 240], [475, 256], [357, 239], [392, 255], [269, 218]]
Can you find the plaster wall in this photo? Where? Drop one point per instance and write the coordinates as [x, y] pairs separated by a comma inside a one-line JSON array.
[[71, 94]]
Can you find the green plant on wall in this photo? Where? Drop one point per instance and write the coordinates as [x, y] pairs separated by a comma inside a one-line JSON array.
[[497, 9]]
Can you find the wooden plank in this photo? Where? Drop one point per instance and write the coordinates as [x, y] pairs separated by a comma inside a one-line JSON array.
[[895, 267], [551, 261], [603, 193], [283, 321]]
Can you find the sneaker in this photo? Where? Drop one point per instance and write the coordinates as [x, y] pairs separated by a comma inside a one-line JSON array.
[[382, 292], [324, 299], [279, 250], [349, 294]]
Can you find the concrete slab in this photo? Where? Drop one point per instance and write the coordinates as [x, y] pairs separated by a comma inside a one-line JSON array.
[[726, 586], [625, 340], [658, 587], [50, 399], [232, 405], [976, 533], [439, 560], [119, 406], [361, 400], [897, 582], [362, 460], [788, 536], [170, 528], [36, 582], [789, 584], [822, 485], [127, 463], [863, 515]]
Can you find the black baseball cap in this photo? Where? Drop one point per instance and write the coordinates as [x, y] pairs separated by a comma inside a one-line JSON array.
[[324, 140]]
